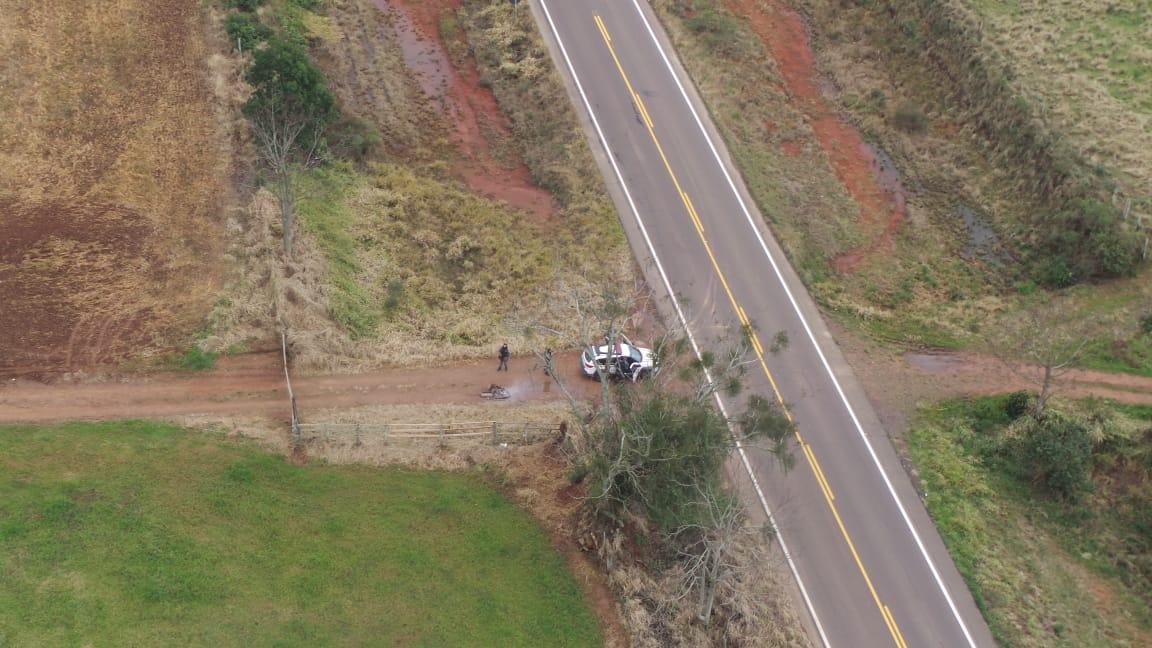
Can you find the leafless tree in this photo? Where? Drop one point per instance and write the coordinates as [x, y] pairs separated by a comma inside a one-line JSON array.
[[1045, 342], [710, 558], [287, 138]]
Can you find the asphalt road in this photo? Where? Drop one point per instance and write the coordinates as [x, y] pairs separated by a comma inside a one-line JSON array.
[[870, 566]]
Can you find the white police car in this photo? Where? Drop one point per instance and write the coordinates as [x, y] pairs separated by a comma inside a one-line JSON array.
[[622, 360]]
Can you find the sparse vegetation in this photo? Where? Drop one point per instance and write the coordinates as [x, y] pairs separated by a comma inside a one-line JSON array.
[[137, 533], [1045, 569]]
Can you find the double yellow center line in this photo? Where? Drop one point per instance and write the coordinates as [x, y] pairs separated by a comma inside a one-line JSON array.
[[757, 346]]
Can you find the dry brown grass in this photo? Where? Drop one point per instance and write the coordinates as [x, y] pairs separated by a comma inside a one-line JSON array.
[[1089, 64], [113, 149]]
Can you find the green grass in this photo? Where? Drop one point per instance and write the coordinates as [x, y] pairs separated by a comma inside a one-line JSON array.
[[196, 359], [1044, 573], [325, 214], [1126, 356], [137, 533]]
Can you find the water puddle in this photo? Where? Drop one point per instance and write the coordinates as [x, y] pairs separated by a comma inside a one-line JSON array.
[[887, 177], [982, 242], [933, 362], [424, 56]]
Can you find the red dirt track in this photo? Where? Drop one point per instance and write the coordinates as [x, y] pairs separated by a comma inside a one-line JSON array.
[[253, 385], [469, 106]]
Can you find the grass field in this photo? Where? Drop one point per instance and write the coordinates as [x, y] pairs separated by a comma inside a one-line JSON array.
[[807, 97], [471, 221], [138, 533], [1089, 62], [1044, 573]]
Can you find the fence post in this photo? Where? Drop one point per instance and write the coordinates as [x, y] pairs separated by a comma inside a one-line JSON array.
[[524, 433], [442, 431], [358, 442], [495, 434], [387, 428]]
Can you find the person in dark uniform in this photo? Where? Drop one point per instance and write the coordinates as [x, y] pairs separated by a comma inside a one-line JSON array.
[[504, 355]]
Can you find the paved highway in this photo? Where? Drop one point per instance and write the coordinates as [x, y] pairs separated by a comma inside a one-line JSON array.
[[870, 566]]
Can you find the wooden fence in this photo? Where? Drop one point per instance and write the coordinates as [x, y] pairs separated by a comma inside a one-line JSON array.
[[494, 432]]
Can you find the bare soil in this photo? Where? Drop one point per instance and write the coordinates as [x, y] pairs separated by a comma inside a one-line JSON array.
[[252, 385], [872, 183], [111, 158]]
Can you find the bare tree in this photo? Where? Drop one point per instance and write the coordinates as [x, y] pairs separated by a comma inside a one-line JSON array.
[[1043, 343], [710, 555], [286, 140]]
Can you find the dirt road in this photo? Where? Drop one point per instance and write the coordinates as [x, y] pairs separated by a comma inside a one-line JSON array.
[[253, 385]]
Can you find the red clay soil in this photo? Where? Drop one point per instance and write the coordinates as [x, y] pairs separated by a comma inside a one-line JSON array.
[[874, 187], [253, 385], [61, 285], [470, 107]]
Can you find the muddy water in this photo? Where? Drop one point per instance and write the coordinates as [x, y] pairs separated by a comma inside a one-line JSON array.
[[424, 56]]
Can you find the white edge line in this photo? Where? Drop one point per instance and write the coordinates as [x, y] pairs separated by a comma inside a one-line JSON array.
[[807, 329], [680, 315]]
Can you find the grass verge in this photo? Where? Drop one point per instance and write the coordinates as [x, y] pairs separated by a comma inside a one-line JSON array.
[[1044, 573], [140, 533]]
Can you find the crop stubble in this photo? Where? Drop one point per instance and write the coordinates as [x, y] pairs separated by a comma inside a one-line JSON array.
[[111, 156]]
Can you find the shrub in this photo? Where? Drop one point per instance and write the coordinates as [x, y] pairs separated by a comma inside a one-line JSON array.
[[196, 359], [909, 118], [243, 5], [717, 29], [1058, 455], [1084, 239], [1146, 323], [1017, 404], [246, 30], [354, 139]]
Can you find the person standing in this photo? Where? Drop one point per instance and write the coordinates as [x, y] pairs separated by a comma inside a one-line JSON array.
[[504, 355]]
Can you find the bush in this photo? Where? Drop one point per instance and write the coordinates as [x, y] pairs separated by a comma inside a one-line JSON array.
[[717, 29], [354, 139], [1084, 239], [1146, 323], [196, 359], [909, 118], [1058, 455], [1017, 404], [246, 30], [243, 5]]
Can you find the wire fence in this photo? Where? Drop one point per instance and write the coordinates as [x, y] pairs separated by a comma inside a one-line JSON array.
[[494, 432]]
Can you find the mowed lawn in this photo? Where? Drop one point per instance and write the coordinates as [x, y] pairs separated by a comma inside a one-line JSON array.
[[144, 534]]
